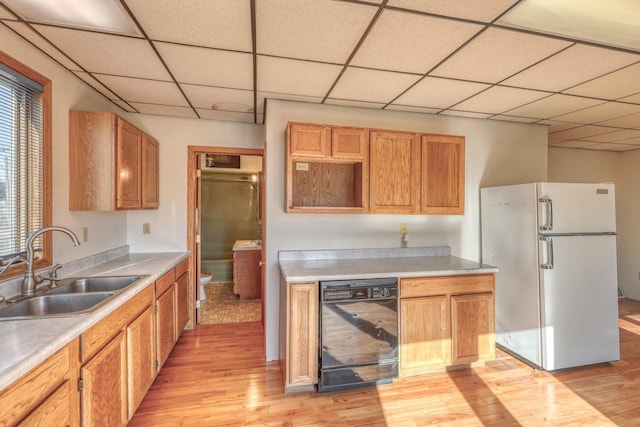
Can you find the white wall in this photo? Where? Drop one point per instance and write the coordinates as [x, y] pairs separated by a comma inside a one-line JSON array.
[[106, 230], [496, 153]]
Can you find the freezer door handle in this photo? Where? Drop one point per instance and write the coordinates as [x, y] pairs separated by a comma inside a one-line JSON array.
[[549, 264], [549, 205]]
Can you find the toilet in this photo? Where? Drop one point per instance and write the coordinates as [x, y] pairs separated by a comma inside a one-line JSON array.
[[205, 277]]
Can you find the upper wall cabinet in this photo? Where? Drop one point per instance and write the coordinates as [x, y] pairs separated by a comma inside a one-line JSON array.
[[442, 174], [327, 169], [112, 164]]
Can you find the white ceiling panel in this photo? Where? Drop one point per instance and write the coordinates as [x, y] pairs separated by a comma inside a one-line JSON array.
[[318, 30], [44, 45], [413, 109], [264, 96], [516, 119], [616, 85], [96, 52], [497, 54], [613, 147], [223, 68], [164, 110], [349, 103], [600, 113], [582, 132], [206, 96], [631, 121], [371, 85], [86, 77], [439, 93], [555, 126], [476, 10], [553, 106], [223, 24], [123, 105], [499, 99], [146, 91], [411, 43], [228, 116], [4, 14], [573, 144], [619, 136], [465, 114], [295, 77], [570, 67]]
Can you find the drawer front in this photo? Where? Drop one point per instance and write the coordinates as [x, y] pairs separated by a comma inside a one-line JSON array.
[[165, 282], [446, 285], [182, 268]]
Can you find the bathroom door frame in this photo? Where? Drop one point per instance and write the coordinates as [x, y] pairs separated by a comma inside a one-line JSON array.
[[192, 188]]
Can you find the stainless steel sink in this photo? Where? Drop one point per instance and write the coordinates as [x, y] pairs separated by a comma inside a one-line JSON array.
[[94, 284], [54, 305]]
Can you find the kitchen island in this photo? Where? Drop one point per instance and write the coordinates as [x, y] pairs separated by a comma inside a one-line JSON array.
[[446, 307]]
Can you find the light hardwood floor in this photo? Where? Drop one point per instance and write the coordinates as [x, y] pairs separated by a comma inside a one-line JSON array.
[[216, 376]]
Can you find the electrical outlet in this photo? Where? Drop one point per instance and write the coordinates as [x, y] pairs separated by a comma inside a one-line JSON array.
[[146, 228], [85, 234], [404, 229]]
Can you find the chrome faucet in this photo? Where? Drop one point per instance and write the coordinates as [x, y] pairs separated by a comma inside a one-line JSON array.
[[30, 280]]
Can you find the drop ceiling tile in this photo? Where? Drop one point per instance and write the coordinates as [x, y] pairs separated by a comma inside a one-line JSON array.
[[499, 99], [582, 132], [86, 77], [146, 91], [465, 114], [573, 144], [228, 116], [319, 30], [630, 121], [41, 43], [439, 93], [476, 10], [600, 113], [412, 43], [349, 103], [553, 106], [124, 105], [206, 96], [556, 126], [612, 147], [554, 140], [506, 118], [630, 141], [615, 85], [164, 110], [371, 85], [211, 67], [107, 54], [570, 67], [4, 14], [618, 136], [295, 77], [497, 54], [633, 99], [263, 96], [412, 109], [224, 24]]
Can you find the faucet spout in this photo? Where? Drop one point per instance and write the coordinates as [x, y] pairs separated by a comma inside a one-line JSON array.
[[29, 282]]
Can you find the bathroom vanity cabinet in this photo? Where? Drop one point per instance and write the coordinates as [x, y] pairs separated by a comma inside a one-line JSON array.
[[247, 271]]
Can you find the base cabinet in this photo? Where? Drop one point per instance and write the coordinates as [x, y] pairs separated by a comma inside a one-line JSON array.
[[472, 320], [141, 358]]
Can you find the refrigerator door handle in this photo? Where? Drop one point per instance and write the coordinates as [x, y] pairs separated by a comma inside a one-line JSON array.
[[549, 264], [549, 204]]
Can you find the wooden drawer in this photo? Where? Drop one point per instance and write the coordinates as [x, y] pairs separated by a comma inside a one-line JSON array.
[[102, 332], [182, 268], [446, 285], [165, 282]]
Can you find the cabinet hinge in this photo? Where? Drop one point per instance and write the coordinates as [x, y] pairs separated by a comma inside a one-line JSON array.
[[157, 365], [155, 308], [198, 173], [80, 384]]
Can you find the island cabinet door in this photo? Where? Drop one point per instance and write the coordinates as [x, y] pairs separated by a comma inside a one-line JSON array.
[[425, 334], [472, 323], [103, 398]]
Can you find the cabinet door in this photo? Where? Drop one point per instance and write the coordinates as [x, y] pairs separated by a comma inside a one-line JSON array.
[[472, 324], [394, 172], [150, 172], [349, 143], [54, 411], [103, 398], [425, 334], [128, 160], [302, 332], [165, 324], [141, 358], [308, 140], [182, 303], [442, 174]]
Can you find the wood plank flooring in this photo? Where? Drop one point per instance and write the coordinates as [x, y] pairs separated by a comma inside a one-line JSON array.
[[217, 376]]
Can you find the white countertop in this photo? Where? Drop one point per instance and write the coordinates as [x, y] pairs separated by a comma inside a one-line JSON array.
[[247, 245], [299, 266], [27, 343]]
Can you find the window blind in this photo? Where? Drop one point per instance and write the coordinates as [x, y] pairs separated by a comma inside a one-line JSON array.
[[21, 161]]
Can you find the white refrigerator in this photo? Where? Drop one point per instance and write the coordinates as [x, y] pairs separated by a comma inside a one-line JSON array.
[[557, 287]]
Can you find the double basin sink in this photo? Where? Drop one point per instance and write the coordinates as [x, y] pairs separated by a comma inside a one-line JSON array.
[[73, 296]]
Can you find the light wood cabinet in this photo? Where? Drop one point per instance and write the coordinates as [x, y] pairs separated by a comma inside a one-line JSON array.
[[442, 174], [395, 172], [47, 395], [327, 169], [446, 321], [247, 273], [182, 295], [300, 362], [112, 164], [141, 358], [165, 324]]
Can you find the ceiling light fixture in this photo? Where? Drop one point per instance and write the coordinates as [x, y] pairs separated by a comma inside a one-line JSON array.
[[612, 22], [100, 15]]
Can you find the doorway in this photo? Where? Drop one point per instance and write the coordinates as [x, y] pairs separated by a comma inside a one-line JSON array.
[[226, 223]]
